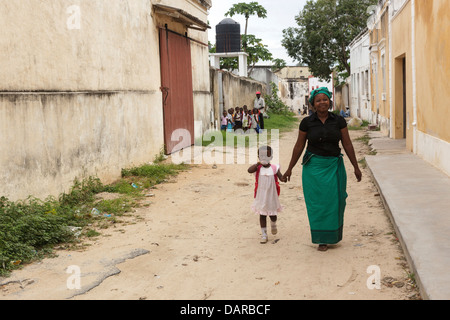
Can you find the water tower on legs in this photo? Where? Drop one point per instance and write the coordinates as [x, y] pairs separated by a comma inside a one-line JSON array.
[[228, 44]]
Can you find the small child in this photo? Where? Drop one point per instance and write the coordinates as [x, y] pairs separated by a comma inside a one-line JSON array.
[[244, 119], [224, 121], [267, 190], [238, 119], [255, 120], [230, 125]]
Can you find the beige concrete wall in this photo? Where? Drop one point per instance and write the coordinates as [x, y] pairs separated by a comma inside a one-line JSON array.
[[49, 139], [113, 49], [419, 35], [240, 91], [203, 106], [432, 29], [237, 91], [76, 102]]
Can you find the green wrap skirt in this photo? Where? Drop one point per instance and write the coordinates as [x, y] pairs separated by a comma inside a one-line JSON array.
[[325, 190]]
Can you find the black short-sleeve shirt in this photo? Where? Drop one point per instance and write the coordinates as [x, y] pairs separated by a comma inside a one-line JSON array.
[[323, 138]]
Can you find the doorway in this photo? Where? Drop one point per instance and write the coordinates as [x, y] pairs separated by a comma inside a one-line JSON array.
[[404, 96], [401, 98], [177, 92]]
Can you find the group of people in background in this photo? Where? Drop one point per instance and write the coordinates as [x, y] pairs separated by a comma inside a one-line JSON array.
[[244, 118], [241, 118]]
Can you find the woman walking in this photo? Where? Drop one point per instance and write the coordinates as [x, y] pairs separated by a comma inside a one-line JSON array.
[[324, 177]]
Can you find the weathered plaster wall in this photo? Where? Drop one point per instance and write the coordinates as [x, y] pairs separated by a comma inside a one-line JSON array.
[[80, 89], [49, 139], [401, 48], [237, 91], [432, 29], [114, 48]]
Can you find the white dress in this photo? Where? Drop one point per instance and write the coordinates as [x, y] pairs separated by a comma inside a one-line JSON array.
[[267, 202]]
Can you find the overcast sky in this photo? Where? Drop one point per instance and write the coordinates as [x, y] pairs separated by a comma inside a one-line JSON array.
[[280, 15]]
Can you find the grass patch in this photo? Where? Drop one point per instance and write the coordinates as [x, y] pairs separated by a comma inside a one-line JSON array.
[[364, 126], [282, 122], [363, 163], [30, 229], [364, 139]]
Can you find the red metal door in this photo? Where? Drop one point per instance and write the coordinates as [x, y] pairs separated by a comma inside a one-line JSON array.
[[176, 87]]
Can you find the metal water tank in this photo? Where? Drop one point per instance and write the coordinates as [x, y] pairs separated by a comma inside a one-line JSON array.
[[228, 36]]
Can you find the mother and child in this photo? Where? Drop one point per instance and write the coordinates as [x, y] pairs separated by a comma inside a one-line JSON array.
[[324, 177]]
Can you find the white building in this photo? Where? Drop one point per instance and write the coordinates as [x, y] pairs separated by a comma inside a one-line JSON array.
[[360, 77]]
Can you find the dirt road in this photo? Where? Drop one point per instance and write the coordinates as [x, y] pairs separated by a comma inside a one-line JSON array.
[[198, 239]]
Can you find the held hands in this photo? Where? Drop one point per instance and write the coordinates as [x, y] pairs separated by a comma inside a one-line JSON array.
[[287, 176]]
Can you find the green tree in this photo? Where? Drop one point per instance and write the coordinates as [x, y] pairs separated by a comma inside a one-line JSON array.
[[247, 10], [326, 28], [278, 64], [257, 50], [274, 103]]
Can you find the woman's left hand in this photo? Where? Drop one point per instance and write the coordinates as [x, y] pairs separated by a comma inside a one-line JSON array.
[[287, 176], [358, 174]]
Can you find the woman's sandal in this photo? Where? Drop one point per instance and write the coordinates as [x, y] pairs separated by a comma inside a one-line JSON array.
[[322, 247]]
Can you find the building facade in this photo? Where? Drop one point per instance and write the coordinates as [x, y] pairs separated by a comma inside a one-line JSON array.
[[293, 86], [430, 70], [409, 57], [360, 84], [379, 38]]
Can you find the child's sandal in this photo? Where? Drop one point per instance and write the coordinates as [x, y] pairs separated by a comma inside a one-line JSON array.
[[264, 239], [274, 230]]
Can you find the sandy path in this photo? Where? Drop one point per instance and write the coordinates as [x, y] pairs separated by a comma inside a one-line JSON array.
[[198, 239]]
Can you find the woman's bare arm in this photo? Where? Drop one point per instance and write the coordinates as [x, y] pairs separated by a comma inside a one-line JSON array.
[[350, 151], [296, 153]]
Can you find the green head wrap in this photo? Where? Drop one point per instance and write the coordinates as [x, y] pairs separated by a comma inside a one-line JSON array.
[[314, 93]]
